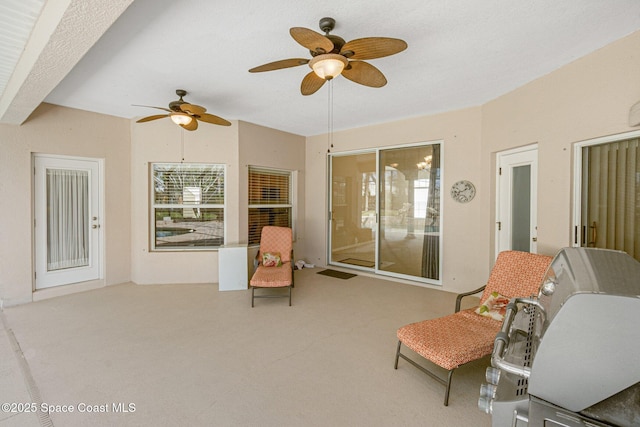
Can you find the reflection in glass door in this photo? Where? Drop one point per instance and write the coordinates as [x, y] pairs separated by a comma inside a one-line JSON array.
[[353, 209], [385, 211], [521, 208], [409, 242]]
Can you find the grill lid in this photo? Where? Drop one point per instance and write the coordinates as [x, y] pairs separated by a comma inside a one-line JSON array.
[[590, 340]]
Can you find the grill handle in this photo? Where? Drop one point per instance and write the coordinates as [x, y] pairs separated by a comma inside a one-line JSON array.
[[502, 339]]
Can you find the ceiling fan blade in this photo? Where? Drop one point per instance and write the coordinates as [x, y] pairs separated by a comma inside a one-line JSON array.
[[148, 119], [311, 40], [210, 118], [373, 47], [193, 109], [151, 106], [192, 125], [311, 83], [364, 74], [278, 65]]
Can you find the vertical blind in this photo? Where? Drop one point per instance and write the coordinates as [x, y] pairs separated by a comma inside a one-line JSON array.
[[269, 200], [612, 192]]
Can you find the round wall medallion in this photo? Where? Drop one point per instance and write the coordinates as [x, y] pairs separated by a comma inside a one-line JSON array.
[[463, 191]]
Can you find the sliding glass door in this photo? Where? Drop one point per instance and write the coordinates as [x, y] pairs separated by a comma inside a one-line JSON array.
[[353, 209], [607, 202], [409, 242], [385, 211]]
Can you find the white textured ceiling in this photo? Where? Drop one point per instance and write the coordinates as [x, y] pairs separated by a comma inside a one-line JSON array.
[[461, 53], [18, 19]]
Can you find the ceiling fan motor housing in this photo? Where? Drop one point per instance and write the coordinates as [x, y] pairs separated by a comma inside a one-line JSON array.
[[327, 24], [175, 105]]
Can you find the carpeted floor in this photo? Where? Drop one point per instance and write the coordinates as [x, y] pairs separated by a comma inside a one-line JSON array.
[[167, 355]]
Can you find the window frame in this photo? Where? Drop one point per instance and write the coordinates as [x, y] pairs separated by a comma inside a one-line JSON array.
[[577, 235], [291, 196], [153, 206]]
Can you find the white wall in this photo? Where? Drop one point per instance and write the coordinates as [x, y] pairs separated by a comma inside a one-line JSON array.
[[460, 130], [163, 141], [236, 146], [588, 98], [271, 148], [63, 131]]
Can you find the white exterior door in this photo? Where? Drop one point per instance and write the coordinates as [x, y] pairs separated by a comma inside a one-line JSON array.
[[67, 220], [516, 196]]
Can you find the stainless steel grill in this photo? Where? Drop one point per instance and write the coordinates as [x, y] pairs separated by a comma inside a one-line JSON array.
[[570, 356]]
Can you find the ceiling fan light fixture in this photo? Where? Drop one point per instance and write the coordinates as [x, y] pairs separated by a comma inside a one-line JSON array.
[[181, 118], [328, 65]]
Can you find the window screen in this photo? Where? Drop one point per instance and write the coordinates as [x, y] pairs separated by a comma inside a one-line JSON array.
[[187, 206]]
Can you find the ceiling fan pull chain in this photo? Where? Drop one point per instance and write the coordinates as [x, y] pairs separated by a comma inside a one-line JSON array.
[[330, 117], [182, 145]]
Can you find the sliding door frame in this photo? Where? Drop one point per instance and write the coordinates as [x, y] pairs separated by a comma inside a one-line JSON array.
[[330, 218], [379, 194]]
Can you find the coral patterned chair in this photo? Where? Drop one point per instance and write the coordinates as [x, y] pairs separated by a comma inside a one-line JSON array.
[[467, 335], [275, 262]]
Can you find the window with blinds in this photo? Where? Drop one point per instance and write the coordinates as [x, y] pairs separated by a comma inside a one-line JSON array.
[[187, 206], [270, 200]]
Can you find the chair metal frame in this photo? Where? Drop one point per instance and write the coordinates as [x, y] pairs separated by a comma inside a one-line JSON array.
[[257, 262], [292, 285], [501, 279], [444, 382]]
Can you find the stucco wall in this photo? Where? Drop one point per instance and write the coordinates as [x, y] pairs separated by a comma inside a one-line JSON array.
[[586, 99], [236, 146], [62, 131], [163, 141], [462, 234], [271, 148]]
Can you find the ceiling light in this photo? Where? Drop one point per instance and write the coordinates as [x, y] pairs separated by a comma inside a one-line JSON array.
[[328, 65], [181, 118]]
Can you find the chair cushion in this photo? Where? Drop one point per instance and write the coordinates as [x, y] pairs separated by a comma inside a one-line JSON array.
[[516, 274], [272, 277], [277, 239], [452, 340]]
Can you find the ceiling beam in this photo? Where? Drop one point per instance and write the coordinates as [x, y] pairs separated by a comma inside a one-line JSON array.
[[63, 33]]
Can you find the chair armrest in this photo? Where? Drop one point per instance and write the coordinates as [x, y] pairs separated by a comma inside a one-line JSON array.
[[466, 294]]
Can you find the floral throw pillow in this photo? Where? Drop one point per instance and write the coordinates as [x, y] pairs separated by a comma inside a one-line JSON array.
[[495, 306], [271, 259]]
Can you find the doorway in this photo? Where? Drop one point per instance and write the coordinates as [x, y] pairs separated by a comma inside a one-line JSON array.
[[67, 212], [385, 211], [516, 199], [607, 193]]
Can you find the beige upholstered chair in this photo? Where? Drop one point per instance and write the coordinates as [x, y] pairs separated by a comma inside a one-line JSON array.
[[465, 336], [275, 242]]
